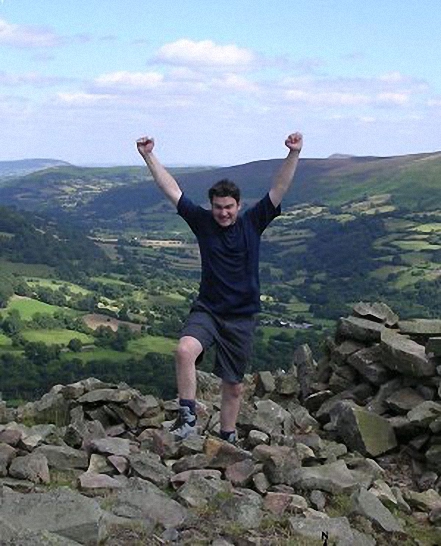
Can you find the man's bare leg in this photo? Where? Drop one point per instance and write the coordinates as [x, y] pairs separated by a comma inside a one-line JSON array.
[[231, 400], [189, 348]]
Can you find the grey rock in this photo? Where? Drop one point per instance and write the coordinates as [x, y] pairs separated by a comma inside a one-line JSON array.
[[63, 457], [62, 511], [364, 470], [190, 462], [302, 418], [368, 363], [10, 436], [433, 457], [93, 482], [269, 416], [384, 493], [148, 466], [111, 446], [435, 425], [425, 501], [51, 408], [378, 402], [318, 499], [425, 413], [338, 531], [198, 491], [261, 483], [144, 406], [125, 414], [143, 500], [405, 356], [359, 329], [279, 462], [121, 464], [331, 478], [244, 508], [402, 504], [365, 432], [306, 368], [287, 383], [424, 327], [369, 506], [342, 378], [32, 467], [265, 383], [377, 311], [106, 395], [341, 352], [7, 454], [256, 437], [13, 536], [98, 464], [404, 400], [314, 401]]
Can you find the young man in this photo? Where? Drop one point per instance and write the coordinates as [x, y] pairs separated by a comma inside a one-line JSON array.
[[229, 295]]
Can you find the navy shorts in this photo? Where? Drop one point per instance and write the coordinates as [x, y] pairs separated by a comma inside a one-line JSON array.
[[232, 336]]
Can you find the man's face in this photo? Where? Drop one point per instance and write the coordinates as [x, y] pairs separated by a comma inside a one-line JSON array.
[[225, 210]]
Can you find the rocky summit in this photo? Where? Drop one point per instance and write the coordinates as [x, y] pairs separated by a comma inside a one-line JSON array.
[[344, 451]]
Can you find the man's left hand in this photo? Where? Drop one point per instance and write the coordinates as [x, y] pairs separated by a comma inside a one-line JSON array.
[[294, 142]]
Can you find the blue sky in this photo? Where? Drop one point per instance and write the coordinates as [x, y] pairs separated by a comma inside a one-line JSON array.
[[218, 83]]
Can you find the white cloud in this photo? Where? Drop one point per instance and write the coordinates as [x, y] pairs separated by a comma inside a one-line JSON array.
[[27, 36], [324, 98], [392, 77], [130, 79], [237, 83], [399, 99], [205, 54], [83, 99]]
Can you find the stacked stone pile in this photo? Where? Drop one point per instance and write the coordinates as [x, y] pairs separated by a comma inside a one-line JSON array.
[[383, 379], [94, 463]]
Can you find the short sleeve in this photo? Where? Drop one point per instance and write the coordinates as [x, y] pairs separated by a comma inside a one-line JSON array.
[[193, 214], [263, 213]]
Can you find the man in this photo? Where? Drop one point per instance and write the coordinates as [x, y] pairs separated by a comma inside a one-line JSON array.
[[229, 295]]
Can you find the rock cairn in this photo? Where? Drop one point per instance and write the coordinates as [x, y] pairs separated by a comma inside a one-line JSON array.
[[346, 450]]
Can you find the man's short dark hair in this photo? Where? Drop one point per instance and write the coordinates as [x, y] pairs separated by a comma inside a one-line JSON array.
[[224, 188]]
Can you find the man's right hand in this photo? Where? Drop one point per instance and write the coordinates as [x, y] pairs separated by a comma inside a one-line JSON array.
[[145, 145]]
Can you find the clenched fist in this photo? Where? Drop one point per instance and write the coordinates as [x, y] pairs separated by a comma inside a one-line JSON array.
[[294, 142], [145, 145]]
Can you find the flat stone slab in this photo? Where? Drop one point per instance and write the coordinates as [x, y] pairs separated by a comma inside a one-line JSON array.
[[423, 327], [405, 356], [338, 531], [106, 395], [368, 505], [364, 431], [62, 511], [143, 500], [377, 311], [359, 329], [331, 478], [368, 363]]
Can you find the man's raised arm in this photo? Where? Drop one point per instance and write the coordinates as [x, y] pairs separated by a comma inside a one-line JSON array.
[[284, 177], [161, 176]]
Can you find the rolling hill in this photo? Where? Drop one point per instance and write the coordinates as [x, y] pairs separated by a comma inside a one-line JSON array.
[[412, 181]]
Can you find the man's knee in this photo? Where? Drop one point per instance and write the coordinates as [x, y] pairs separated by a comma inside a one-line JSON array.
[[233, 390], [189, 348]]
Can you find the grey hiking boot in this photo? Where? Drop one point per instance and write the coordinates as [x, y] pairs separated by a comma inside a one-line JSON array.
[[185, 424]]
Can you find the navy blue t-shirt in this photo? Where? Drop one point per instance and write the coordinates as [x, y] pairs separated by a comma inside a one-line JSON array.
[[229, 255]]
